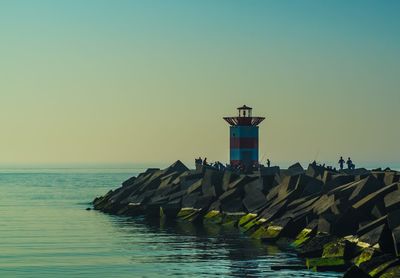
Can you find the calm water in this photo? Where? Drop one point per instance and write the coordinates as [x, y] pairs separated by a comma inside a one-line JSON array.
[[45, 231]]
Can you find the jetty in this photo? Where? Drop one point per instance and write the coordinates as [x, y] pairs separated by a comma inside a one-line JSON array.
[[337, 220]]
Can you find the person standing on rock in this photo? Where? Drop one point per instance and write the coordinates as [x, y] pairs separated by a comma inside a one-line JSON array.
[[268, 163], [205, 161], [341, 162], [199, 161], [349, 163]]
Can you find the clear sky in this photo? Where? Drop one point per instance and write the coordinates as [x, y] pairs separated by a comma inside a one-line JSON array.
[[149, 81]]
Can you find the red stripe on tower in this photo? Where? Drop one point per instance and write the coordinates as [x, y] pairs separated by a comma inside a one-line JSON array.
[[243, 143]]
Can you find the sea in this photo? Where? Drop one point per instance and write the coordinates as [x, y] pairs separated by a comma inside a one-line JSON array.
[[46, 231]]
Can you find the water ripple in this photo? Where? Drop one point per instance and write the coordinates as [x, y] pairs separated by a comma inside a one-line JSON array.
[[45, 231]]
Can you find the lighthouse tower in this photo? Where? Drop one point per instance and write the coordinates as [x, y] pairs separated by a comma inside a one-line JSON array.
[[244, 138]]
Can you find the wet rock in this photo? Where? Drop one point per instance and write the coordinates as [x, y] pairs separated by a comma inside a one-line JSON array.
[[280, 228], [334, 218], [355, 272], [366, 255], [314, 247], [327, 264], [391, 272], [171, 209], [378, 265], [341, 248], [306, 234]]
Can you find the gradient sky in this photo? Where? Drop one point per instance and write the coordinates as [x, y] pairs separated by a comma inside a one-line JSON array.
[[149, 81]]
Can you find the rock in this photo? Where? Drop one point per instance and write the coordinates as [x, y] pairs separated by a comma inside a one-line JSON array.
[[273, 211], [212, 183], [188, 201], [325, 223], [177, 195], [177, 166], [377, 232], [247, 218], [393, 219], [280, 228], [232, 205], [129, 182], [391, 272], [228, 178], [355, 272], [171, 209], [269, 171], [366, 255], [367, 203], [336, 181], [365, 187], [88, 208], [190, 214], [310, 185], [195, 187], [341, 248], [314, 247], [213, 217], [306, 234], [231, 219], [295, 169], [203, 202], [254, 200], [377, 265], [315, 171], [392, 200], [334, 218], [327, 264]]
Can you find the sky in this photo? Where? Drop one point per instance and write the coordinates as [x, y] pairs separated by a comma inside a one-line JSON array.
[[125, 82]]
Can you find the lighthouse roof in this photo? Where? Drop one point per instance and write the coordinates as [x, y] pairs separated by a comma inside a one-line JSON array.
[[244, 107]]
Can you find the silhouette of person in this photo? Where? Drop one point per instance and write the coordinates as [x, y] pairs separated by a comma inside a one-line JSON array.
[[341, 162], [349, 164], [268, 163], [205, 161]]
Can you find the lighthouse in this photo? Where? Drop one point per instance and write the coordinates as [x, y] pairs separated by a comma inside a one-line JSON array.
[[244, 138]]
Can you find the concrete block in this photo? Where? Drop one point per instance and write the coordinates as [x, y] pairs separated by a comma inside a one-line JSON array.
[[392, 200], [314, 247], [212, 183], [254, 200], [228, 178], [295, 169], [355, 272]]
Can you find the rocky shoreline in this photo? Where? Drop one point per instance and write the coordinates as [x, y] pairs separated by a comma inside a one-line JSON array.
[[345, 220]]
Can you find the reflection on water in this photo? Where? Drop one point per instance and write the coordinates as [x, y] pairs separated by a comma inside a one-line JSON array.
[[46, 232]]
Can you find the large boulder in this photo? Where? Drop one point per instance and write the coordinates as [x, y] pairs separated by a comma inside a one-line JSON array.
[[212, 183], [254, 199]]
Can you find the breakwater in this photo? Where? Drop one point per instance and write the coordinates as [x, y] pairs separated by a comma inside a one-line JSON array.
[[337, 220]]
